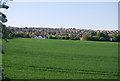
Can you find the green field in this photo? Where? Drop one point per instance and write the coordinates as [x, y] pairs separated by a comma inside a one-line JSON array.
[[60, 59]]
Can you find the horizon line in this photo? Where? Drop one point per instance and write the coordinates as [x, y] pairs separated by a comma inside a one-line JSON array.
[[60, 27]]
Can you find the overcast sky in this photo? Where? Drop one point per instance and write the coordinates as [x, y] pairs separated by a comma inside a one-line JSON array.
[[82, 15]]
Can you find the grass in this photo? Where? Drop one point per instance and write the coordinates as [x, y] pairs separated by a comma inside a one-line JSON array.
[[60, 59]]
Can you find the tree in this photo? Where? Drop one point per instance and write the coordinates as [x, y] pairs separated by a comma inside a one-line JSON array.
[[116, 37], [3, 29], [86, 37], [103, 36], [92, 33], [72, 36], [6, 32], [50, 37], [100, 34]]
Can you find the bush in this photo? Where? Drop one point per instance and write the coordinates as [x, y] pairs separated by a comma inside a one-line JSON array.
[[67, 38], [103, 36], [101, 39], [94, 38], [63, 37], [50, 37], [92, 33], [86, 37], [116, 37], [100, 34], [76, 38]]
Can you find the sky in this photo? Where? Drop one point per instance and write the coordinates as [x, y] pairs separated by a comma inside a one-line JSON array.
[[65, 0], [80, 15]]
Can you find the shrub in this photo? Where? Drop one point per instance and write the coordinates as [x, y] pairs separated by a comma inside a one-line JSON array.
[[101, 39], [86, 37], [50, 37], [67, 38], [94, 38], [116, 37], [63, 38], [103, 36], [76, 38], [92, 33]]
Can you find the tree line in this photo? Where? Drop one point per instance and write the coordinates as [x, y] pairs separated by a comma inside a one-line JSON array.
[[102, 36], [90, 36]]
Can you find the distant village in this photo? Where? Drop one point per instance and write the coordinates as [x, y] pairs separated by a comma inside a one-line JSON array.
[[45, 33]]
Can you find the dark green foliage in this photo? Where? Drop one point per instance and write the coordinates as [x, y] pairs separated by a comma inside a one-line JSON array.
[[6, 33], [116, 37], [67, 38], [53, 33], [94, 38], [76, 38], [50, 37], [92, 33], [86, 37], [103, 36], [72, 37], [100, 34]]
